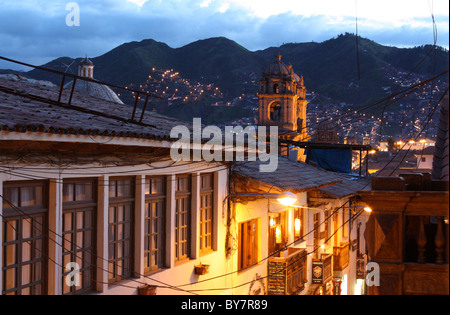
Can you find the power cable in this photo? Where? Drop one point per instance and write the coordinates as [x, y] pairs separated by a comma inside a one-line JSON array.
[[17, 209]]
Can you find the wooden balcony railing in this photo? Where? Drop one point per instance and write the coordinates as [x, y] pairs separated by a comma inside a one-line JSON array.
[[407, 235], [341, 256], [425, 240], [287, 275]]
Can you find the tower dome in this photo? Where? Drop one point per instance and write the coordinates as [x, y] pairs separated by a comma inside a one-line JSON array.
[[279, 69], [86, 70]]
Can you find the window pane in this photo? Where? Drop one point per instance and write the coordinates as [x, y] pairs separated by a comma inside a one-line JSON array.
[[27, 196], [26, 252], [26, 274], [11, 230], [112, 188], [80, 219], [11, 196], [83, 191], [67, 221], [68, 192], [10, 280], [124, 188], [11, 255]]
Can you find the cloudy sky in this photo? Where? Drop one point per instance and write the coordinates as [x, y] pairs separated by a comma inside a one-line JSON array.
[[36, 32]]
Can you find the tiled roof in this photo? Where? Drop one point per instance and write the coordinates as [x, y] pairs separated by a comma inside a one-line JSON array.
[[289, 176], [23, 108], [347, 187]]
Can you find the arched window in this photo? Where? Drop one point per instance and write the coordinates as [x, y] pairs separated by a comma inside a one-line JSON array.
[[275, 112], [276, 89]]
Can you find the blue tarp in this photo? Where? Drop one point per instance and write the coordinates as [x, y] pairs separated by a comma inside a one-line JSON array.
[[331, 159]]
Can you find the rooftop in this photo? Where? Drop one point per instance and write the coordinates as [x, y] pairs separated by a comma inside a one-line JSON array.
[[30, 106], [290, 176]]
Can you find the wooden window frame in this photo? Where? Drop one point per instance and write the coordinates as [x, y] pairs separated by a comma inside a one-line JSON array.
[[299, 213], [249, 243], [77, 253], [149, 219], [114, 225], [280, 219], [37, 256], [182, 228], [206, 219]]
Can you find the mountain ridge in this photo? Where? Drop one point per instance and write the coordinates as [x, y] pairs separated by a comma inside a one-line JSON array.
[[331, 68]]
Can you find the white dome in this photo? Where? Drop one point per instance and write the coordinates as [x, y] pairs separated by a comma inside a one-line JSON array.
[[96, 90]]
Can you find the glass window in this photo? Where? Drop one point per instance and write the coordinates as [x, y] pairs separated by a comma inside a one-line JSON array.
[[24, 238], [120, 241], [79, 208], [248, 243], [182, 216], [155, 207], [206, 211]]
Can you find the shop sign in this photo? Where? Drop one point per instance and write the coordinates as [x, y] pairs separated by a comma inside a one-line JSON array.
[[360, 268], [337, 287], [317, 272]]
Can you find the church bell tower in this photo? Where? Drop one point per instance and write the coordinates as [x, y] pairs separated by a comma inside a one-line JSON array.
[[282, 101]]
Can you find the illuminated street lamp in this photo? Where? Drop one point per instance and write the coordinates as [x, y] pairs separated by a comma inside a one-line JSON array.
[[285, 198]]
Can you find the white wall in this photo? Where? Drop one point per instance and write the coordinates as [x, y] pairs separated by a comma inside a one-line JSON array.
[[178, 274], [259, 209]]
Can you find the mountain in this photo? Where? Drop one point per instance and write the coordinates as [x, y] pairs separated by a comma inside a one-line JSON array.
[[329, 68]]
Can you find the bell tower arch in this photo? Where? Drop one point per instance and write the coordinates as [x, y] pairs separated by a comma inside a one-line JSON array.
[[282, 100]]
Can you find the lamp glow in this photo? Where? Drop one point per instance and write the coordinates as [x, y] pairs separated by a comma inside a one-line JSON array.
[[297, 225], [271, 222], [278, 235], [287, 199], [368, 209]]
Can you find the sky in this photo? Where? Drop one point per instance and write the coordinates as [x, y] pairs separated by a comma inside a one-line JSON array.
[[37, 32]]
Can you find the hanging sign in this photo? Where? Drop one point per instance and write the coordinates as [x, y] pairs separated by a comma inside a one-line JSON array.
[[317, 272], [276, 281], [337, 287], [360, 268]]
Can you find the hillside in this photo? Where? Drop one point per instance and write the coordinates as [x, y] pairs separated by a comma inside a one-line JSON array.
[[329, 68]]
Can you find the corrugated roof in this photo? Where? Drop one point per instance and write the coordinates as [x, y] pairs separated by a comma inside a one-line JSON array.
[[21, 111], [289, 176]]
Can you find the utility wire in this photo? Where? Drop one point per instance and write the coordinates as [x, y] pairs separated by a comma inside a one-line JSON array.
[[20, 211]]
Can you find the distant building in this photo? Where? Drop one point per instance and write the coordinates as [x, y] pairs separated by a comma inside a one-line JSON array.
[[407, 232], [86, 69], [425, 158], [282, 100], [326, 132]]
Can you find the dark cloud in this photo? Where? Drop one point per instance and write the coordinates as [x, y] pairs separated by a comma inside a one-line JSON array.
[[39, 34]]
